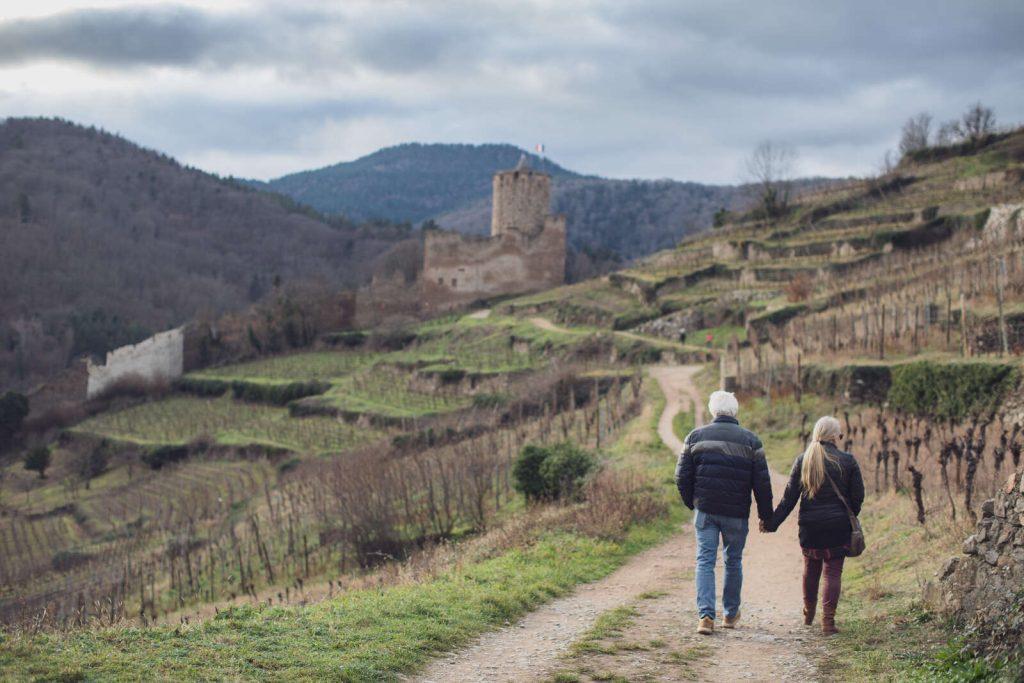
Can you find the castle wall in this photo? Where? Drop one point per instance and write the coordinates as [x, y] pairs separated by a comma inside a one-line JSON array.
[[521, 199], [159, 358], [460, 269]]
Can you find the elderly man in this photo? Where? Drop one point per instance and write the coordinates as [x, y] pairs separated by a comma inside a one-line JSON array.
[[721, 464]]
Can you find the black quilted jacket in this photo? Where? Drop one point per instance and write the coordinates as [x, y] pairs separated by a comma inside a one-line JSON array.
[[721, 464]]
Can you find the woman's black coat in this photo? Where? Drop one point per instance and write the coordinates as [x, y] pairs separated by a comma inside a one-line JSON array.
[[824, 522]]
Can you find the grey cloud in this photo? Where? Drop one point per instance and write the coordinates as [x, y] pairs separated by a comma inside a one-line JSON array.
[[672, 86], [125, 37]]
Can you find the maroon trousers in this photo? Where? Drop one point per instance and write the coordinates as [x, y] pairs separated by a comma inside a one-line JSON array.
[[831, 561]]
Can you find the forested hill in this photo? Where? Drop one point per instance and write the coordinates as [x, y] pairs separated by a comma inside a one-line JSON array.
[[410, 182], [91, 222]]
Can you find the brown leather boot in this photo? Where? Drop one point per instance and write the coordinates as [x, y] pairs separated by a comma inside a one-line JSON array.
[[706, 626], [809, 609], [828, 623]]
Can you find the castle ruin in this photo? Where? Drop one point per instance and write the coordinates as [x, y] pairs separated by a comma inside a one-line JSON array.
[[525, 251]]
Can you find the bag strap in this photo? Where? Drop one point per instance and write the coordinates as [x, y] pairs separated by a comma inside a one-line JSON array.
[[835, 488]]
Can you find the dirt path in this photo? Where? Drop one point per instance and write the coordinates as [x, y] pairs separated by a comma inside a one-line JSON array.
[[659, 641], [680, 394]]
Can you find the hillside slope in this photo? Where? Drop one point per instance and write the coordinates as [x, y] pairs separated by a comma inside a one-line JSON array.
[[91, 222]]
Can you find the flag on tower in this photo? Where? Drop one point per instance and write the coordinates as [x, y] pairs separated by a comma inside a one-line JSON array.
[[540, 148]]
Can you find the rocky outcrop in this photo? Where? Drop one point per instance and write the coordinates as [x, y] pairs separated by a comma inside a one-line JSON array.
[[982, 586]]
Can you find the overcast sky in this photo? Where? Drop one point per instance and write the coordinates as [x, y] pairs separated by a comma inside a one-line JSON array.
[[637, 88]]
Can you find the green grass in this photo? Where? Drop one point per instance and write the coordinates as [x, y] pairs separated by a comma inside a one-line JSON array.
[[608, 625], [682, 424], [720, 336], [363, 635]]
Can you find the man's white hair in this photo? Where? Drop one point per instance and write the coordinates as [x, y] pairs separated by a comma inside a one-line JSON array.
[[723, 403]]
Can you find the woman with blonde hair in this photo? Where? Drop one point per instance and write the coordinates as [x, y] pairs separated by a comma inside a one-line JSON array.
[[828, 484]]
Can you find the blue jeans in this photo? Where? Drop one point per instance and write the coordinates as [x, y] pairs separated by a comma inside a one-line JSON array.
[[733, 531]]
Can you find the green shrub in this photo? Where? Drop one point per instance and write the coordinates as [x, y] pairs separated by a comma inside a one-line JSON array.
[[202, 386], [565, 470], [276, 394], [552, 472], [350, 339], [38, 460], [162, 455], [452, 375], [950, 391], [526, 472]]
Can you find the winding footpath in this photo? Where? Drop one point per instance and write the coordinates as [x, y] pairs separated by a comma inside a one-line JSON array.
[[661, 642]]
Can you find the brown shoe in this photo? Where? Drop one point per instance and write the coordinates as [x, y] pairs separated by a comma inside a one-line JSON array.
[[828, 624], [809, 608], [730, 622], [706, 626]]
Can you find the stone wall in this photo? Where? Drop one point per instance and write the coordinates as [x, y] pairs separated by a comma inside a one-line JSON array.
[[521, 199], [460, 269], [982, 584], [1005, 222], [159, 358]]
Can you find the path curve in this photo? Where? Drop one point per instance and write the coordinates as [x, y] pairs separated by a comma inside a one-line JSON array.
[[770, 645], [677, 385]]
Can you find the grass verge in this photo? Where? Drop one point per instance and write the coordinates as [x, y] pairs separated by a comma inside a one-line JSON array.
[[363, 635]]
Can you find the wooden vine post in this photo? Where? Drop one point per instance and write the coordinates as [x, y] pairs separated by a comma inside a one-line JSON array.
[[1000, 279]]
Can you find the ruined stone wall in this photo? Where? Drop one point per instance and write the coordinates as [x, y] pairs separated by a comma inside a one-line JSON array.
[[1005, 222], [981, 585], [460, 269], [159, 358], [521, 199]]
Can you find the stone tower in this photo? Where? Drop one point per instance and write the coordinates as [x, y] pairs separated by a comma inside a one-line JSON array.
[[522, 198]]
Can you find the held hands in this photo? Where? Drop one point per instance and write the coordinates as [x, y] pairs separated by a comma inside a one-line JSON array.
[[764, 528]]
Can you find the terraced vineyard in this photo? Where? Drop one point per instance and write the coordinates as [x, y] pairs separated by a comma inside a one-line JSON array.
[[52, 549], [183, 419], [384, 392], [317, 365]]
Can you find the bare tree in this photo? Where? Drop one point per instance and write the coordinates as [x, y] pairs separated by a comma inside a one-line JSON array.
[[916, 132], [947, 133], [887, 166], [771, 166], [977, 123]]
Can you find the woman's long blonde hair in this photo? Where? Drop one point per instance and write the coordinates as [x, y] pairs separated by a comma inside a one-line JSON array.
[[812, 472]]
